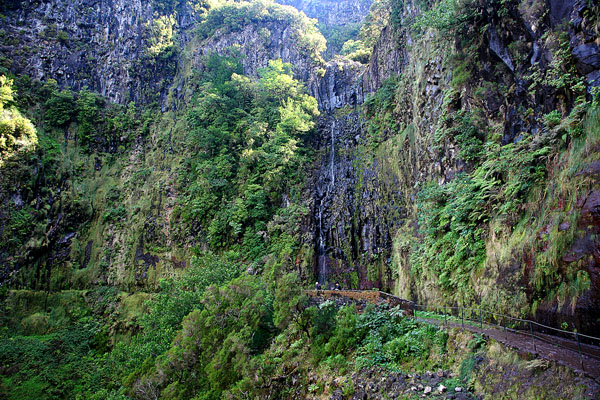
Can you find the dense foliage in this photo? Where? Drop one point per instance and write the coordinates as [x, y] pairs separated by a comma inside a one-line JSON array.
[[62, 364], [381, 14], [234, 343], [247, 135]]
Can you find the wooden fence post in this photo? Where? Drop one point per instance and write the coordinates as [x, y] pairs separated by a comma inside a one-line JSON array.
[[532, 337], [579, 349]]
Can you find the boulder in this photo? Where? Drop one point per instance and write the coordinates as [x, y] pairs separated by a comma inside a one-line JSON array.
[[588, 57]]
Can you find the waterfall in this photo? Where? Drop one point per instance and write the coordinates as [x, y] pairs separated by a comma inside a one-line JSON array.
[[322, 256], [332, 158]]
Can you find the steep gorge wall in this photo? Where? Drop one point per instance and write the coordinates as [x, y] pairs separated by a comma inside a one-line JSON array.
[[330, 12], [109, 219], [513, 73]]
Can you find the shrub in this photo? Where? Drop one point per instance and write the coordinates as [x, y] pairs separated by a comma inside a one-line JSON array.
[[60, 108]]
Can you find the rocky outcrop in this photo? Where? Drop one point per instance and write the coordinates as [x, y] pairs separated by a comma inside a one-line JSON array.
[[338, 85], [387, 60], [584, 39], [256, 44], [379, 384]]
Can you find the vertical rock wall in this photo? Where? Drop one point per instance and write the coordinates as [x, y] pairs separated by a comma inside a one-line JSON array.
[[101, 44]]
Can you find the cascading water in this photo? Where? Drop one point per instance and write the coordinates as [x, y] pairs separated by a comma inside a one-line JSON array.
[[322, 256]]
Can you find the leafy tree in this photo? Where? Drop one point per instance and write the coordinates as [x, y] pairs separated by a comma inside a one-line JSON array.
[[213, 350], [176, 299], [88, 115], [381, 13], [247, 135], [289, 301], [17, 133], [6, 91]]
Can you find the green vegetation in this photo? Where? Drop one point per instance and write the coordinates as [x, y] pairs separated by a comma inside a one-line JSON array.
[[243, 136], [72, 128], [98, 122], [446, 16], [248, 137], [337, 36], [169, 6], [60, 107], [381, 13], [59, 350], [235, 341], [58, 365], [161, 36], [17, 133]]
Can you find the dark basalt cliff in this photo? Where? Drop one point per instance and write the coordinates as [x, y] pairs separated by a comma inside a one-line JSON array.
[[364, 199], [104, 45]]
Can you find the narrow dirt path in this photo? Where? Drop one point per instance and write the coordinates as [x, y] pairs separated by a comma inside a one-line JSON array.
[[546, 347], [556, 349]]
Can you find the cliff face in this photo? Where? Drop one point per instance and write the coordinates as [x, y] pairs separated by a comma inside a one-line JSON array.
[[128, 51], [375, 168], [124, 50], [256, 44], [339, 21], [136, 176]]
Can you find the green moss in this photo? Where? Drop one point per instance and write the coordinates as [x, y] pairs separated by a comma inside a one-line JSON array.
[[35, 312]]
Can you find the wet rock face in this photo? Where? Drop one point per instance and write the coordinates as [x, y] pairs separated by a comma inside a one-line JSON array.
[[350, 204], [588, 55], [333, 184], [387, 60], [358, 205], [390, 54], [338, 85], [89, 43], [560, 10], [583, 39]]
